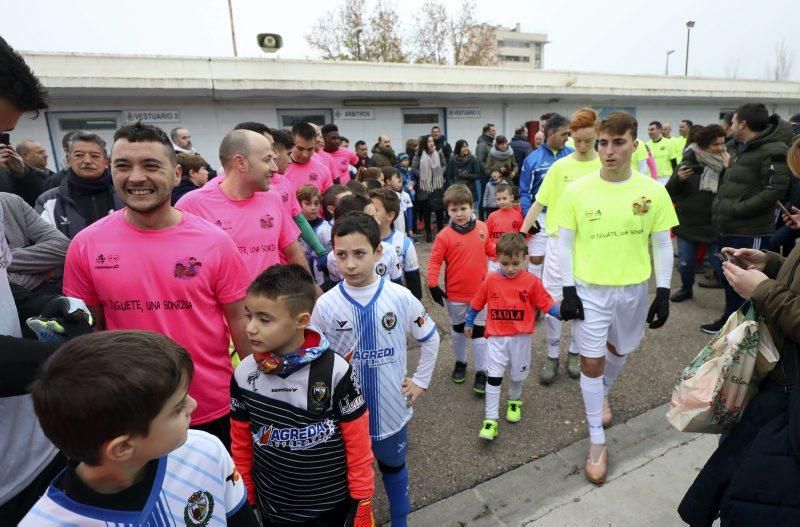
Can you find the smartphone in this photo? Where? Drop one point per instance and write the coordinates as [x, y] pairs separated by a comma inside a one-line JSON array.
[[725, 257], [783, 208], [5, 139]]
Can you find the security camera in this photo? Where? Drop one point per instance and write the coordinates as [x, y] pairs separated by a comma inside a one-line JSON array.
[[269, 42]]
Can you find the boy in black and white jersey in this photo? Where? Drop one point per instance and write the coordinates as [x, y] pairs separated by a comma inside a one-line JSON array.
[[299, 422]]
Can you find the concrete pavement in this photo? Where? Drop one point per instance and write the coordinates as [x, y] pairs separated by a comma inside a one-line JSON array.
[[651, 466]]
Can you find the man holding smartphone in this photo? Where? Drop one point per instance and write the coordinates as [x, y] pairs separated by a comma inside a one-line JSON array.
[[743, 210]]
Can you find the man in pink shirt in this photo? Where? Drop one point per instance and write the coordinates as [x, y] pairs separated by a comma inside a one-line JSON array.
[[241, 206], [150, 266], [305, 167], [342, 157]]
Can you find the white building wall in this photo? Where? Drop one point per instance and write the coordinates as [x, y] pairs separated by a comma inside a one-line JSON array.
[[209, 120]]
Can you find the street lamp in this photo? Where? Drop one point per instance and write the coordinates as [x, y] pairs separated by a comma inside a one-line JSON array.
[[689, 26], [358, 42], [666, 69]]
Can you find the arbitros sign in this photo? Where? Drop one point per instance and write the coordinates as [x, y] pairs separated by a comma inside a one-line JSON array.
[[153, 116], [354, 113]]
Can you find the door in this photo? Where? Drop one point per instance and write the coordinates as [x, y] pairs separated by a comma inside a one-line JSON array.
[[418, 122], [103, 124]]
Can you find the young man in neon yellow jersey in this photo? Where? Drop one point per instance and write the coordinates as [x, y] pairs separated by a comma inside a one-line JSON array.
[[605, 222], [563, 172], [663, 151]]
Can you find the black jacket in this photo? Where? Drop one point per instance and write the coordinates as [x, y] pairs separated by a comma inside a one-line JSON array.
[[755, 180], [443, 146], [59, 208], [521, 148], [692, 204], [28, 185], [465, 173], [184, 187]]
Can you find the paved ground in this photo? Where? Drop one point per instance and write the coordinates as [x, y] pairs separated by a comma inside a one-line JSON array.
[[446, 456], [651, 468]]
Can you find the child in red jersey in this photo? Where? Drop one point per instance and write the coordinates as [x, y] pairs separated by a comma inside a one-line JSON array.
[[461, 246], [511, 295], [508, 218]]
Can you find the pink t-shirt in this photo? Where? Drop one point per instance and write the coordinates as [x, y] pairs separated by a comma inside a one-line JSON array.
[[326, 159], [313, 172], [343, 158], [172, 281], [258, 225], [283, 188]]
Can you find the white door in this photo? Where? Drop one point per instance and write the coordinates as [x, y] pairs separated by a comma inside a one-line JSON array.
[[418, 122], [103, 124]]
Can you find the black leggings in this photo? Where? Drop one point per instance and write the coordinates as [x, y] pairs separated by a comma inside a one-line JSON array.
[[426, 211]]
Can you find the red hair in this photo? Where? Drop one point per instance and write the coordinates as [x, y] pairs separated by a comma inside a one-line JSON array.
[[583, 118]]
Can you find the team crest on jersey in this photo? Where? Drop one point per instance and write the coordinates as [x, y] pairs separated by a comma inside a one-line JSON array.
[[285, 197], [642, 205], [380, 269], [199, 509], [313, 176], [389, 321], [593, 215], [187, 268], [319, 391], [294, 439], [398, 251], [523, 295], [266, 221]]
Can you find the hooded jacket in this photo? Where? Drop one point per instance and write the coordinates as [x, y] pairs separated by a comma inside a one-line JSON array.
[[499, 159], [521, 148], [482, 147], [755, 180]]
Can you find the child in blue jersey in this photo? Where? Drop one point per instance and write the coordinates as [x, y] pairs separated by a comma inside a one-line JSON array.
[[116, 404], [367, 318]]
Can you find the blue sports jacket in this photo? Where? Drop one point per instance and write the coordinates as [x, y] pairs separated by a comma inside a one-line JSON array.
[[536, 165]]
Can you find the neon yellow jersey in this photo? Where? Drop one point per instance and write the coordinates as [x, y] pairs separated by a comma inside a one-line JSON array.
[[613, 223], [639, 155], [663, 152], [679, 145], [562, 173]]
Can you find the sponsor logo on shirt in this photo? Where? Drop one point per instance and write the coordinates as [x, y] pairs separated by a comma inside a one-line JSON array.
[[199, 509], [593, 215], [389, 321], [283, 390], [313, 176], [285, 197], [371, 358], [641, 206], [507, 314], [301, 438], [225, 225], [64, 220], [236, 404], [347, 407], [523, 295], [420, 321], [342, 326], [251, 379], [266, 221], [107, 262], [187, 268]]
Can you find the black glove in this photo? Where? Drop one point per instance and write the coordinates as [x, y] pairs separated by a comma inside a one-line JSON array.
[[62, 318], [571, 306], [437, 295], [659, 309], [535, 228]]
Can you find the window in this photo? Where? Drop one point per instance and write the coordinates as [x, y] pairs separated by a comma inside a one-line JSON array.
[[420, 118], [537, 63], [514, 58], [514, 43], [318, 116], [537, 51], [98, 123]]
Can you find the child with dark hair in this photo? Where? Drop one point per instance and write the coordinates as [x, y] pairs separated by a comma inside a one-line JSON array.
[[512, 295], [490, 192], [387, 206], [117, 405], [299, 423], [389, 264], [508, 218], [356, 187], [367, 318]]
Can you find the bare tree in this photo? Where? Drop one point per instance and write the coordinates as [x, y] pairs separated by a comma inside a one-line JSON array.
[[384, 40], [459, 30], [431, 35], [337, 33], [480, 48], [784, 62]]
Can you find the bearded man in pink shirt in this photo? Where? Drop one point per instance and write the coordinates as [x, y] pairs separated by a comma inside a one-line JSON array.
[[342, 157], [306, 168], [153, 267]]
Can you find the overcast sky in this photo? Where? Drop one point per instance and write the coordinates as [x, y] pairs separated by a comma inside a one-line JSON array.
[[731, 37]]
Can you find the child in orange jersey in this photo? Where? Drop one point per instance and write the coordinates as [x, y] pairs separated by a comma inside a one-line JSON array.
[[508, 218], [461, 246], [511, 295]]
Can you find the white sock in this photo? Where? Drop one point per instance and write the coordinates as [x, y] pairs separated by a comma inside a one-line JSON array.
[[536, 269], [515, 390], [459, 346], [592, 390], [479, 350], [552, 331], [492, 402], [614, 364]]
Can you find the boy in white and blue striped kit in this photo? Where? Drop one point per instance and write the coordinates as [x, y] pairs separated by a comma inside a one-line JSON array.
[[366, 318], [133, 459]]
